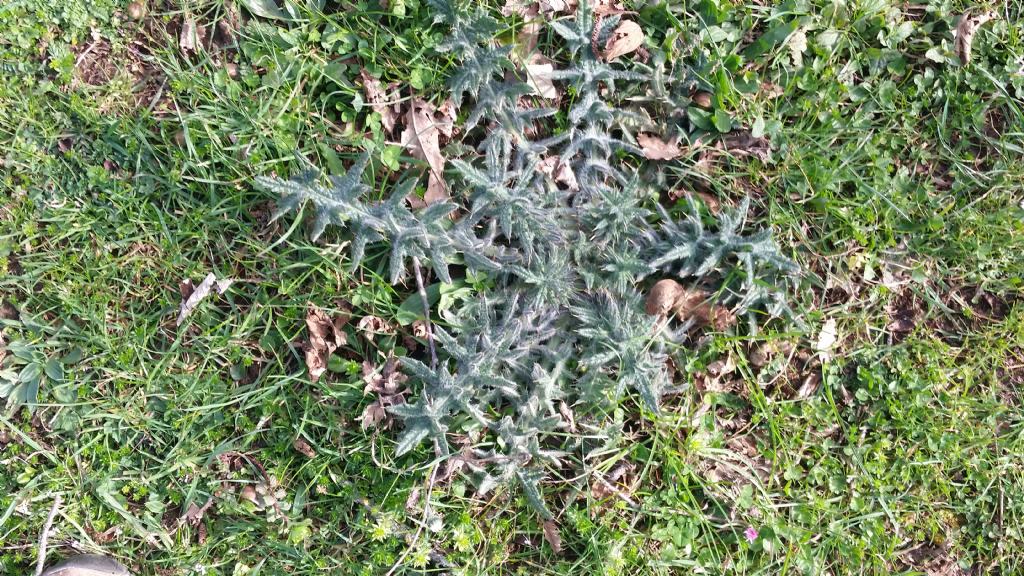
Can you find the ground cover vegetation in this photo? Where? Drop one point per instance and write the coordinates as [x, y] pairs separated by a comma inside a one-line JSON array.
[[712, 287]]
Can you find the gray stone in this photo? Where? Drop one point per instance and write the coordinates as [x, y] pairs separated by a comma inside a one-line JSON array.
[[87, 565]]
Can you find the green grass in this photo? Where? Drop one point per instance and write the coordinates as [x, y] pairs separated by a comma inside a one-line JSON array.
[[894, 178]]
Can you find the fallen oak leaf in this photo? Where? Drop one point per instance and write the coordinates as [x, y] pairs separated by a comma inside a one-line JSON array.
[[373, 325], [372, 415], [302, 447], [694, 305], [539, 72], [196, 295], [422, 137], [194, 514], [662, 297], [445, 118], [387, 381], [191, 34], [826, 339], [552, 536], [626, 38], [966, 28], [560, 172], [379, 101], [325, 336], [655, 148]]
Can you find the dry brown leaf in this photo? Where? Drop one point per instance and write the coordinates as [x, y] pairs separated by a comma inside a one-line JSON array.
[[655, 148], [419, 329], [743, 143], [566, 413], [191, 35], [194, 514], [552, 536], [303, 447], [445, 118], [422, 137], [372, 415], [769, 89], [663, 297], [560, 172], [627, 38], [702, 99], [720, 368], [412, 500], [721, 318], [605, 7], [378, 100], [693, 305], [519, 8], [325, 336], [539, 72], [527, 40], [387, 381], [966, 28], [530, 8], [759, 356], [711, 202], [553, 5], [248, 493], [373, 325], [826, 339], [809, 385], [191, 297], [605, 486]]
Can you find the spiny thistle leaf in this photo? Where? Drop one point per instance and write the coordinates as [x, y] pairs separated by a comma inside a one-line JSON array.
[[561, 323]]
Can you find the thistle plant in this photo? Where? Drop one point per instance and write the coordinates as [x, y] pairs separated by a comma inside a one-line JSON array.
[[564, 328]]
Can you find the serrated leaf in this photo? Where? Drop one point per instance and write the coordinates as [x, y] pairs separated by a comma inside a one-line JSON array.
[[411, 438]]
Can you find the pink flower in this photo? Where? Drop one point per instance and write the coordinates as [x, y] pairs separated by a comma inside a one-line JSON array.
[[750, 533]]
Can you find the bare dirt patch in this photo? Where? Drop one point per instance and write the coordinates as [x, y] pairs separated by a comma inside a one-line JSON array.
[[94, 63], [932, 561]]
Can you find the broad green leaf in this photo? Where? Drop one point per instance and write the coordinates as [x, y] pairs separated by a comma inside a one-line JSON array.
[[757, 129], [411, 309], [723, 123], [73, 356], [266, 9], [827, 39], [700, 118], [54, 370], [27, 394], [30, 371], [775, 36], [23, 350], [390, 155]]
